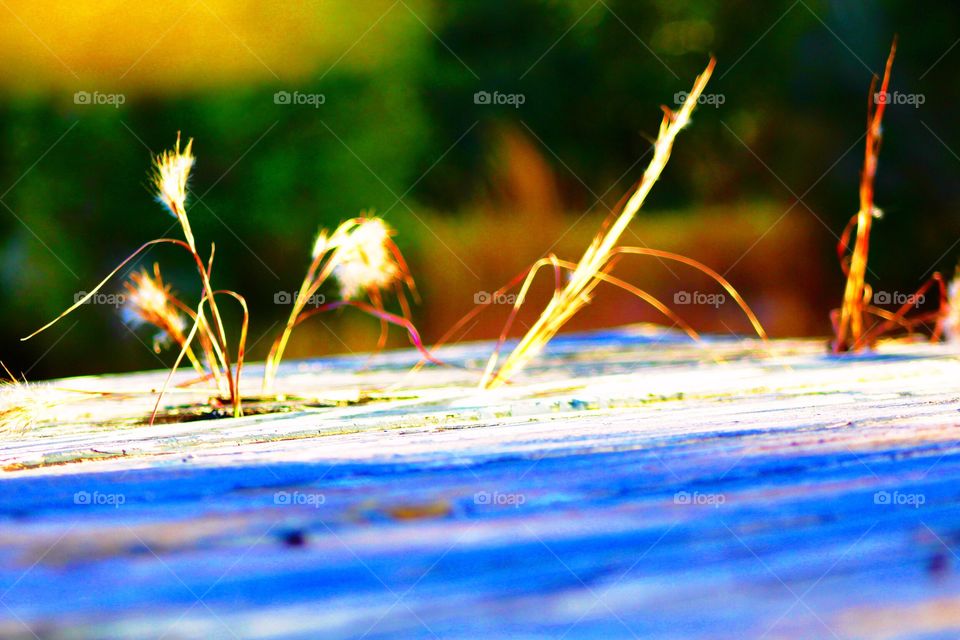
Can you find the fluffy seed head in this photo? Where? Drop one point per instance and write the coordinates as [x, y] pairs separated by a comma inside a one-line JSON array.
[[148, 301], [170, 175], [23, 405], [364, 259]]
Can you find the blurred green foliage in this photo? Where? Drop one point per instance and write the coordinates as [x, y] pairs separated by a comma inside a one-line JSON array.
[[405, 136]]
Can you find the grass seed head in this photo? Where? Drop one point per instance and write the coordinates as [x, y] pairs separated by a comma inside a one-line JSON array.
[[171, 172], [365, 260], [23, 405], [149, 301]]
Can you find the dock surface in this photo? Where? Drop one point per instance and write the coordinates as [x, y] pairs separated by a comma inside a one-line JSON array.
[[629, 484]]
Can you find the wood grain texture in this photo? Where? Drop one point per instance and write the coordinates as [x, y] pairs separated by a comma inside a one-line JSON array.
[[631, 484]]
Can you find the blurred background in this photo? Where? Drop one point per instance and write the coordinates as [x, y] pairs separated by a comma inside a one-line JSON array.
[[487, 132]]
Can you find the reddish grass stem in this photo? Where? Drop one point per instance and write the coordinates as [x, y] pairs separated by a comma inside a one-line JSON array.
[[850, 329]]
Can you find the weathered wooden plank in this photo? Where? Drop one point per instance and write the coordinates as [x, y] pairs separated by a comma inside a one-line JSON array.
[[631, 484]]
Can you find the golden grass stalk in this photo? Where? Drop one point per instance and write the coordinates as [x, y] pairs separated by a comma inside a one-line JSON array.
[[198, 324], [365, 261], [604, 276], [525, 276], [171, 174], [856, 294], [552, 260], [577, 292]]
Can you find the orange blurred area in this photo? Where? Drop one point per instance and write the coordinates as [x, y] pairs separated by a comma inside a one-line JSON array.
[[200, 44], [524, 220]]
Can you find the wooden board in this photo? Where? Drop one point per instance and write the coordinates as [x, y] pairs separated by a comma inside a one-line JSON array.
[[631, 484]]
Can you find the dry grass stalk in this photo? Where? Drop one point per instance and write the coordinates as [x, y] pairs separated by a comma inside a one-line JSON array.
[[170, 176], [853, 331], [856, 294], [600, 257], [361, 256]]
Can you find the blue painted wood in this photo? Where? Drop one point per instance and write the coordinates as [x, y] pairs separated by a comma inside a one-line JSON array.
[[774, 512]]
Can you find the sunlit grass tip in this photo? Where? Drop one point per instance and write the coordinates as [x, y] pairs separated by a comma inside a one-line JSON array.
[[171, 172]]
